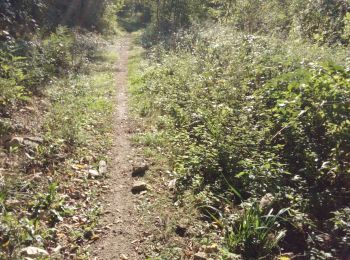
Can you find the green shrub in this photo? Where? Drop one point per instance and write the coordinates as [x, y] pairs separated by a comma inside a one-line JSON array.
[[58, 51], [12, 78], [346, 32], [27, 66], [258, 114], [108, 22]]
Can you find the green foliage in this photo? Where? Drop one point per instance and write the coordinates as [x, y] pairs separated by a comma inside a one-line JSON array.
[[58, 51], [166, 16], [38, 202], [11, 79], [341, 227], [39, 57], [108, 21], [17, 231], [320, 21], [255, 235], [346, 33], [23, 17], [78, 105], [258, 114], [59, 54]]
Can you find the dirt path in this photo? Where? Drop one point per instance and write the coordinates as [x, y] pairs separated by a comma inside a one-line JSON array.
[[119, 219]]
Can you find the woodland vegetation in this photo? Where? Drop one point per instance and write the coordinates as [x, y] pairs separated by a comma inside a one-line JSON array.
[[56, 89], [250, 101], [251, 104]]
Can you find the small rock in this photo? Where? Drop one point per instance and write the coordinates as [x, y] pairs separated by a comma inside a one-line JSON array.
[[30, 144], [2, 184], [94, 173], [140, 171], [34, 252], [102, 167], [88, 159], [211, 249], [57, 249], [172, 184], [28, 108], [2, 154], [37, 176], [232, 256], [44, 102], [139, 186], [123, 257], [32, 141], [266, 201], [200, 256], [18, 127]]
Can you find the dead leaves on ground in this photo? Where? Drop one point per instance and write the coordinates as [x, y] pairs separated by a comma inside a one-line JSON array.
[[54, 211]]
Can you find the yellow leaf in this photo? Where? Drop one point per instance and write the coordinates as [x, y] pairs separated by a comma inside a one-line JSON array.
[[284, 258]]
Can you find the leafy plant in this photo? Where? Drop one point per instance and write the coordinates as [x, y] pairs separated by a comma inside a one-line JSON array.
[[11, 79], [346, 33], [254, 234], [58, 51], [259, 114]]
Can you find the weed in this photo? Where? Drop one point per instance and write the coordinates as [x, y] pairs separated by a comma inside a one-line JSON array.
[[254, 234]]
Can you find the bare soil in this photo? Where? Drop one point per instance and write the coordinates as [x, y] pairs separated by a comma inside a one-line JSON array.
[[119, 220]]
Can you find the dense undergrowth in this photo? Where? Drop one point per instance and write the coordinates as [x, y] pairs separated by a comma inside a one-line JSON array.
[[257, 133], [252, 115], [56, 89], [55, 104]]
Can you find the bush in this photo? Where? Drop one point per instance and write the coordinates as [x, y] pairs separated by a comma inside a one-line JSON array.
[[11, 79], [318, 21], [58, 51], [27, 66], [346, 33], [261, 115]]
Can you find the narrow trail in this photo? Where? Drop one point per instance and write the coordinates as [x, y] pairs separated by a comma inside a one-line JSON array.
[[119, 219]]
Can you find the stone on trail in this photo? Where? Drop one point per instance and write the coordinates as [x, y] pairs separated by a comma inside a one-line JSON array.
[[94, 173], [200, 256], [102, 167], [139, 186], [172, 185], [214, 248], [123, 257], [139, 171], [266, 201], [181, 230], [32, 251], [232, 256]]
